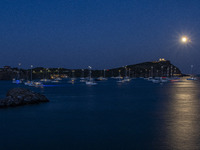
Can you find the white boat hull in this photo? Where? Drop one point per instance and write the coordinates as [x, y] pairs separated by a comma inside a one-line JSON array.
[[90, 83]]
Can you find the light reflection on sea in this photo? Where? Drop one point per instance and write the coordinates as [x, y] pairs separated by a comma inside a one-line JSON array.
[[136, 115], [182, 120]]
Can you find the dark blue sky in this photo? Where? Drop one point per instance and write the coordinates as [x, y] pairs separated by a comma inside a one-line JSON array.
[[100, 33]]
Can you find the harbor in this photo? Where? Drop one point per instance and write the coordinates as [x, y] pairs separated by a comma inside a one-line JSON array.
[[138, 114]]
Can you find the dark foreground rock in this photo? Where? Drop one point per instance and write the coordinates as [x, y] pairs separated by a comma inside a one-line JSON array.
[[22, 96]]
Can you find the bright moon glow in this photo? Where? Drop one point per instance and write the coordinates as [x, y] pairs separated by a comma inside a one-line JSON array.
[[184, 39]]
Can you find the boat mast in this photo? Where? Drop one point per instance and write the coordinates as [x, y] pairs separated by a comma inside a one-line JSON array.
[[19, 71], [167, 71], [90, 72], [171, 71], [46, 73], [119, 73], [161, 71], [82, 73], [73, 73], [191, 69], [31, 71], [125, 71], [152, 71]]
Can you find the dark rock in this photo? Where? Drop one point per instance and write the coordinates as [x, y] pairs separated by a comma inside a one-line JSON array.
[[21, 96]]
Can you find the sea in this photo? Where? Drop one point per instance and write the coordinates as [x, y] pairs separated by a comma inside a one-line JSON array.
[[136, 115]]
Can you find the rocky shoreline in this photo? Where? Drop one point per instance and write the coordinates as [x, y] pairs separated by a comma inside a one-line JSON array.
[[21, 96]]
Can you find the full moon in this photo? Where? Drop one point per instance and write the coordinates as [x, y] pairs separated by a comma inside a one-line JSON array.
[[184, 39]]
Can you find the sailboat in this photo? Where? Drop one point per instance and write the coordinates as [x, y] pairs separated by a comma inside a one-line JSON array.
[[45, 79], [18, 80], [191, 76], [119, 78], [90, 81], [127, 78], [82, 79], [29, 83], [102, 78], [72, 80], [57, 77], [32, 83]]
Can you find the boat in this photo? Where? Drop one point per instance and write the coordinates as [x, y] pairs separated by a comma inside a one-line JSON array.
[[191, 76], [127, 79], [155, 81], [101, 79], [58, 79], [150, 78], [37, 84], [27, 83], [120, 81], [45, 80], [82, 79], [16, 81], [163, 79], [55, 81], [65, 77], [119, 77], [90, 81], [71, 81], [32, 83]]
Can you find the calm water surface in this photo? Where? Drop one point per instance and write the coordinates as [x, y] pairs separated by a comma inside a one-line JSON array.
[[108, 116]]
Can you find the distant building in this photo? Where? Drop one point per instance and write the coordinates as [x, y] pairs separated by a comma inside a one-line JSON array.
[[162, 59]]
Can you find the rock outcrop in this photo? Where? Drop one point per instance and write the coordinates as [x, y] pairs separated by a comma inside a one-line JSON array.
[[21, 96]]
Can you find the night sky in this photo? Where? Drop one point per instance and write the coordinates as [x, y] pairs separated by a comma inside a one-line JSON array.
[[99, 33]]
